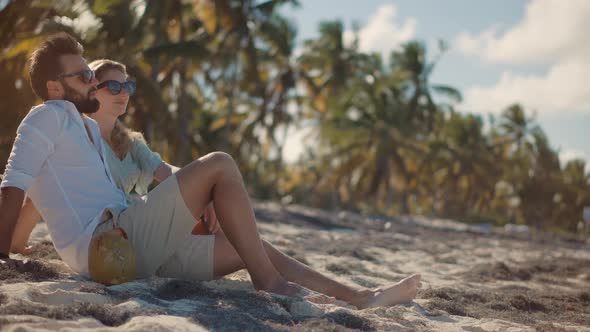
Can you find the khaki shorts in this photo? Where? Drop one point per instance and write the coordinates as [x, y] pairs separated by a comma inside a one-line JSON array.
[[159, 227]]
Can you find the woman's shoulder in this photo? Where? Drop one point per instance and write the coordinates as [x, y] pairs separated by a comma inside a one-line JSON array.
[[138, 142], [142, 152], [137, 137]]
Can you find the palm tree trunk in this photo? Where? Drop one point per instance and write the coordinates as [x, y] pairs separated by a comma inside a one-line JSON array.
[[229, 95], [183, 153], [405, 204], [148, 122], [381, 170]]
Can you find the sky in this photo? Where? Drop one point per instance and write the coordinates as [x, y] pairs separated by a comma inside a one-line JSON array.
[[501, 51]]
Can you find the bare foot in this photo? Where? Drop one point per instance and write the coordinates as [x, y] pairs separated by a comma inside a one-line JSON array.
[[398, 293]]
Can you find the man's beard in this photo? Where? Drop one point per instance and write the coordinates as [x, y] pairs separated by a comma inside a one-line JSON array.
[[83, 103]]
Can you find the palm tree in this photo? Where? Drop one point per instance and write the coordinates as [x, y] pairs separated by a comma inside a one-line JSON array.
[[411, 61], [252, 77], [573, 196], [517, 128], [326, 65], [365, 138], [537, 188], [141, 32], [460, 167], [23, 24], [120, 23]]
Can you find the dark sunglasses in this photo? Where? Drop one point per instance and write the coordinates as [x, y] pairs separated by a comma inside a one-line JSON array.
[[86, 75], [115, 87]]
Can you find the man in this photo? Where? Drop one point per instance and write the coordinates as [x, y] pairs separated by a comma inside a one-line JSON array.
[[57, 159]]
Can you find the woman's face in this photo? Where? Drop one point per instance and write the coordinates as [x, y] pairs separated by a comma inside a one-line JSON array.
[[114, 105]]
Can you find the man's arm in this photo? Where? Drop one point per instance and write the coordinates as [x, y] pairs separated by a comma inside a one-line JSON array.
[[32, 146], [27, 220], [11, 201]]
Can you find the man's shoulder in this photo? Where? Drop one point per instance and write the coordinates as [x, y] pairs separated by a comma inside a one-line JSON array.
[[46, 115], [58, 107], [90, 121], [92, 125]]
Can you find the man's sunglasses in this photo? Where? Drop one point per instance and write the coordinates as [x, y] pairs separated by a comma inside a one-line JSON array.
[[86, 75], [115, 87]]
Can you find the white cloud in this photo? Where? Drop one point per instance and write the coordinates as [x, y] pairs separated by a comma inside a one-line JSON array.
[[553, 33], [564, 88], [571, 154], [549, 30], [383, 32]]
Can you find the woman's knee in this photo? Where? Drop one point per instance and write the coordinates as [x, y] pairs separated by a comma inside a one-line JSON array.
[[209, 166], [221, 161], [219, 157]]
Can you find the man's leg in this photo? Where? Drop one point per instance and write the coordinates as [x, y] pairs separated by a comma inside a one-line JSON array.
[[216, 177], [226, 261]]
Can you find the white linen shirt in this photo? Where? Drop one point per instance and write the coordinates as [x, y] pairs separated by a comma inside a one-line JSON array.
[[63, 172]]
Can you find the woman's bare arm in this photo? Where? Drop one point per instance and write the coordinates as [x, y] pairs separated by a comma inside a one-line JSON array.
[[28, 218], [163, 171]]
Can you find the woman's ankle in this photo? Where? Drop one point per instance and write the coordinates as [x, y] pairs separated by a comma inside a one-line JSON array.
[[358, 297], [270, 284]]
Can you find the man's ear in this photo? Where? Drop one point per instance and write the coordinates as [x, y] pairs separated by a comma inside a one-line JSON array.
[[54, 89]]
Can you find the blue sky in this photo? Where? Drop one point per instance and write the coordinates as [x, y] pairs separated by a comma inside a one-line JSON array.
[[502, 51]]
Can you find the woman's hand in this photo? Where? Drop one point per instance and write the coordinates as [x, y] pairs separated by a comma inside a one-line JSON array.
[[164, 171], [211, 219]]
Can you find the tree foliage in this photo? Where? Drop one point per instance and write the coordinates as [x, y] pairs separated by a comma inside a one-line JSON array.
[[223, 75]]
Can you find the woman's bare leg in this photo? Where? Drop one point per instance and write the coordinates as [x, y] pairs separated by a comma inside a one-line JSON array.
[[216, 177], [28, 218], [226, 261]]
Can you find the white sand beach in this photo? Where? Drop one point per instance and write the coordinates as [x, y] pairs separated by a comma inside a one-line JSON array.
[[474, 279]]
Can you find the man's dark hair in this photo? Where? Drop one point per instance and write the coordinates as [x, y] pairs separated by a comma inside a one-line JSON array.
[[44, 62]]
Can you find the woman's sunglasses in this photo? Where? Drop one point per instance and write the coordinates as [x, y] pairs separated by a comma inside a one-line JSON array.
[[86, 75], [115, 87]]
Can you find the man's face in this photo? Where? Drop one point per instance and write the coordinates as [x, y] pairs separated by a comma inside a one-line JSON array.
[[76, 90]]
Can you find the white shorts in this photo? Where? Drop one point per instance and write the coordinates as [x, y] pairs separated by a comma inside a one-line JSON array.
[[159, 227]]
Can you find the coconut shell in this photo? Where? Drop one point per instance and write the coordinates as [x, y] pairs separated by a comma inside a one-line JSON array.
[[111, 258]]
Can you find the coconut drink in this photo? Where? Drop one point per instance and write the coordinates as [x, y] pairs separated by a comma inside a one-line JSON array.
[[111, 258]]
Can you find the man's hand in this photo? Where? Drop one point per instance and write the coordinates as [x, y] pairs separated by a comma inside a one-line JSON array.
[[211, 219]]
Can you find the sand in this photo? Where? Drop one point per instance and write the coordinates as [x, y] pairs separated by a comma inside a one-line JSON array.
[[474, 279]]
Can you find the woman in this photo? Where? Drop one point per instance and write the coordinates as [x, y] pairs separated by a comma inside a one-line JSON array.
[[133, 165]]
